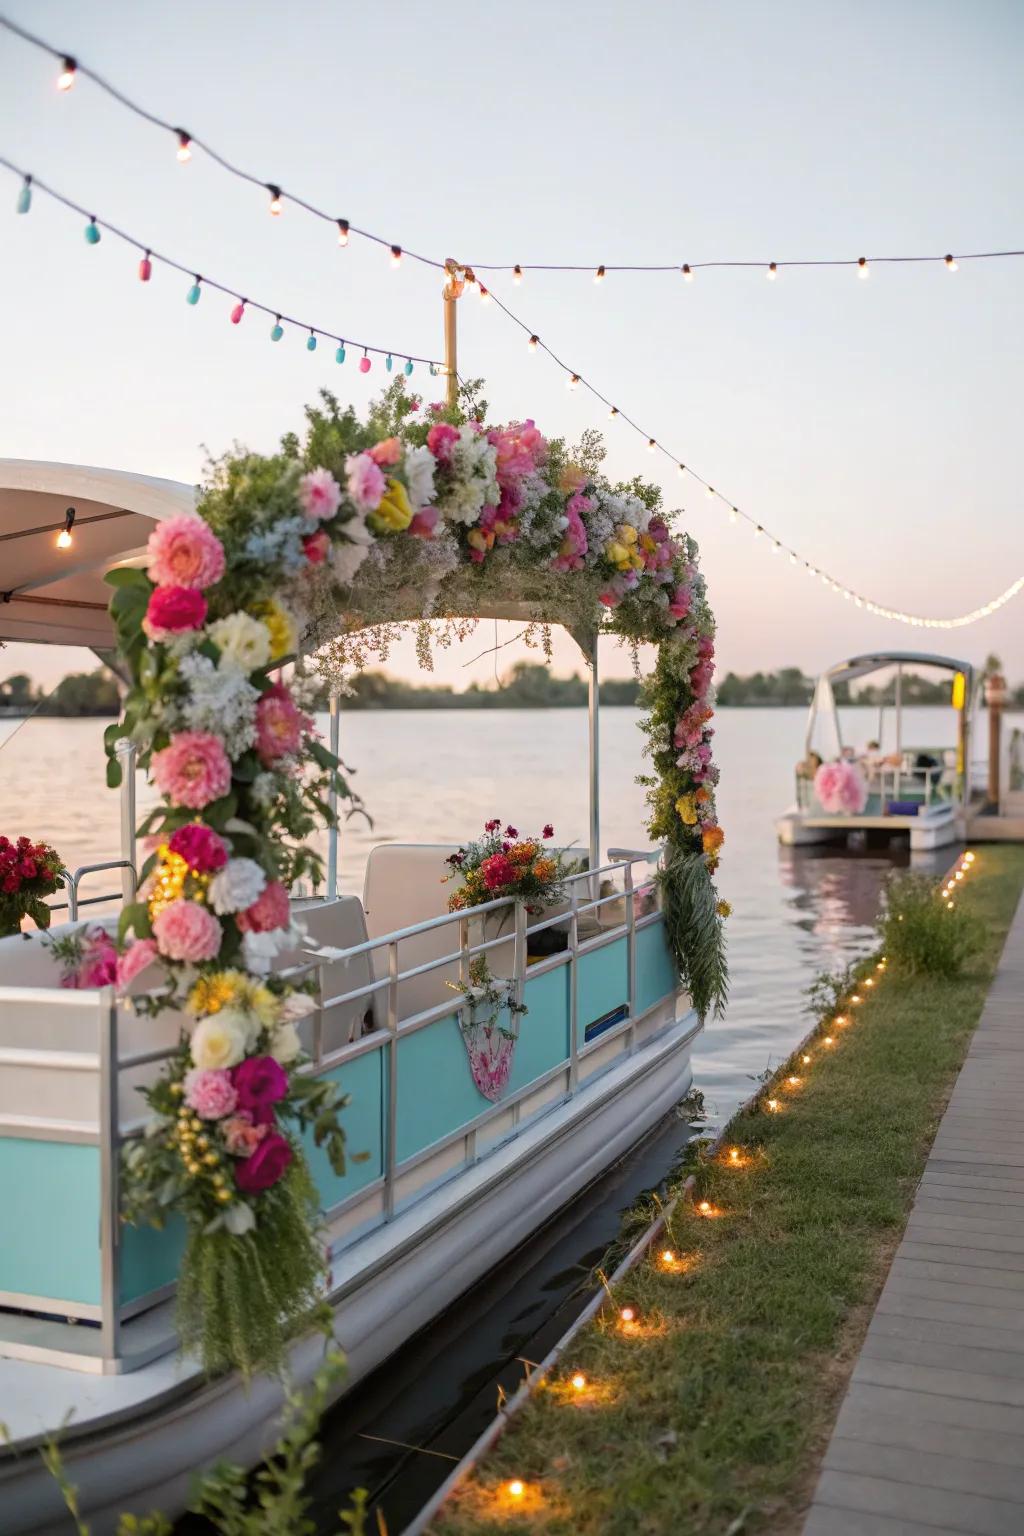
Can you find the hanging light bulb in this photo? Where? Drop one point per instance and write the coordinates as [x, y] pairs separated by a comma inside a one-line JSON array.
[[364, 362], [758, 530], [531, 346], [311, 342], [396, 256], [389, 362], [687, 273], [792, 559], [952, 265], [68, 71], [24, 202], [275, 198], [517, 274], [863, 270], [184, 146], [574, 379], [145, 269], [277, 329], [734, 513], [195, 292], [339, 356], [408, 367], [772, 272], [342, 231], [680, 470], [238, 312], [579, 1382], [64, 537], [485, 294], [92, 232], [709, 491], [651, 445], [613, 412], [599, 275]]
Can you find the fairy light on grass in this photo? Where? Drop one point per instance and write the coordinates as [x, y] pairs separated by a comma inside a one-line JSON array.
[[579, 1382], [772, 1106]]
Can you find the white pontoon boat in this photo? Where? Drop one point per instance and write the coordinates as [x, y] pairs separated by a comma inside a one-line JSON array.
[[915, 790], [451, 1182]]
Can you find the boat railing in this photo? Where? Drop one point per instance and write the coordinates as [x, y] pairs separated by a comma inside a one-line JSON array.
[[71, 882], [479, 932]]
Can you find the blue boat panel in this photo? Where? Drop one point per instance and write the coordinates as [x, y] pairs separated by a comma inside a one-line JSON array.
[[603, 981], [150, 1259], [543, 1031], [655, 968], [51, 1220], [436, 1091], [363, 1123]]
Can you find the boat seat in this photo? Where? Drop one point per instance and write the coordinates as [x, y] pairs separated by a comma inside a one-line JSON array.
[[341, 924], [405, 885]]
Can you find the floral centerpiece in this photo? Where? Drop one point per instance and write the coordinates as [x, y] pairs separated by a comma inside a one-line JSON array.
[[28, 872], [841, 788], [502, 863]]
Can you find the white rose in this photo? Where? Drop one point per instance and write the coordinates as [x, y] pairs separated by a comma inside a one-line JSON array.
[[346, 561], [236, 886], [419, 473], [297, 1006], [239, 1218], [285, 1044], [219, 1041], [243, 642]]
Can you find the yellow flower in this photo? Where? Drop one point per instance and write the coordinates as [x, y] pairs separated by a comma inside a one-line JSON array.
[[626, 533], [686, 805], [394, 512], [478, 539], [280, 627], [261, 1001], [571, 479], [723, 908], [212, 993], [617, 553]]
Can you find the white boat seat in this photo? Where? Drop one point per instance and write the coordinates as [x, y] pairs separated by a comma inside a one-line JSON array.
[[340, 924], [405, 885]]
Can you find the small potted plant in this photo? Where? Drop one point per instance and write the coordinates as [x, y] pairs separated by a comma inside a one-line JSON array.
[[28, 872]]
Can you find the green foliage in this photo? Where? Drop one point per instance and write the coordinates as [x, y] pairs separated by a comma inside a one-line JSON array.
[[693, 927], [920, 933], [241, 1298]]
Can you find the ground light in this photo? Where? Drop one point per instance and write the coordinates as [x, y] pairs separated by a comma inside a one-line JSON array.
[[579, 1382]]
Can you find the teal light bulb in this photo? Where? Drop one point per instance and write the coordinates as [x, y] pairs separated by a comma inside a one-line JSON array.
[[408, 369], [92, 233], [311, 343], [24, 202], [192, 297], [339, 356], [277, 332], [389, 362]]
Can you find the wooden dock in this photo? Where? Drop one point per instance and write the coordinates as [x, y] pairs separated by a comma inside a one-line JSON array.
[[930, 1437]]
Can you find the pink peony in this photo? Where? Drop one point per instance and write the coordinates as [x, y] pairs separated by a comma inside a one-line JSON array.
[[319, 494], [265, 1166], [98, 967], [241, 1137], [365, 481], [269, 911], [174, 611], [135, 960], [317, 546], [441, 440], [519, 449], [386, 453], [210, 1093], [187, 931], [279, 725], [194, 770], [185, 552], [203, 849], [841, 787], [260, 1082], [424, 524]]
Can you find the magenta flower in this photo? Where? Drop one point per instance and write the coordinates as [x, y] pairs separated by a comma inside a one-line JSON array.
[[266, 1165], [424, 524], [185, 552], [441, 440], [316, 546], [204, 850], [279, 725], [259, 1082], [136, 958], [548, 831], [365, 481], [173, 611]]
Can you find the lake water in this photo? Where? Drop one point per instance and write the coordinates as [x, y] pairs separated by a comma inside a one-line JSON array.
[[436, 776]]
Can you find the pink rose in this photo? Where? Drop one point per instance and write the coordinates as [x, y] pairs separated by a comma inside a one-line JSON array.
[[279, 725], [187, 931], [319, 494], [260, 1082], [203, 850], [386, 453], [185, 552], [193, 771], [265, 1166], [241, 1137], [441, 440], [424, 524], [135, 960], [98, 966], [365, 481], [174, 611], [210, 1093], [317, 547], [679, 606], [269, 911]]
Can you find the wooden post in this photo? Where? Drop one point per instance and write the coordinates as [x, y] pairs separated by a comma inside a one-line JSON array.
[[452, 292]]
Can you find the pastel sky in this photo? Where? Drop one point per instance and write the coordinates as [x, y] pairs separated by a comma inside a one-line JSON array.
[[873, 425]]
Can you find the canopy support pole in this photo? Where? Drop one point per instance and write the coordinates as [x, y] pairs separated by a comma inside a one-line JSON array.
[[451, 291], [332, 800], [899, 726], [594, 714]]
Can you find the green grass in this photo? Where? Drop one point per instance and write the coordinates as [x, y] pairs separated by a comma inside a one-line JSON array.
[[711, 1416]]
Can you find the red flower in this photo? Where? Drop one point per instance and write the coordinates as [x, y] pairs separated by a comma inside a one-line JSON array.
[[548, 831], [317, 546], [498, 870], [492, 826], [511, 832], [265, 1166]]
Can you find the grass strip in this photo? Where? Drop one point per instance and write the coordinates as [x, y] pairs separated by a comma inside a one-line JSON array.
[[707, 1414]]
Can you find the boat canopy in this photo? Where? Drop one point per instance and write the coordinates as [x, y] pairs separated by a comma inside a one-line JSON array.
[[55, 595], [862, 666]]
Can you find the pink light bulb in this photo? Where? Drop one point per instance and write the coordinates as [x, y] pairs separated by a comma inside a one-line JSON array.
[[365, 365], [237, 312]]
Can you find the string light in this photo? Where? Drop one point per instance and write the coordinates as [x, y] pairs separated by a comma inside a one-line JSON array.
[[276, 330], [238, 312], [149, 258], [734, 1154], [952, 265], [396, 256], [651, 445], [829, 1040], [793, 1081], [531, 346], [772, 272], [68, 72], [517, 274], [574, 380], [599, 275], [64, 537], [627, 1315], [705, 1207], [805, 1059], [516, 1488], [687, 272], [667, 1256], [24, 202], [342, 231], [773, 1105], [579, 1382], [275, 198], [863, 270], [184, 146], [311, 342]]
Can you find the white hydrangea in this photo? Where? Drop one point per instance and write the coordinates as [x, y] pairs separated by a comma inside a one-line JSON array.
[[264, 788], [419, 474], [223, 703], [243, 642], [475, 480], [347, 559], [236, 886]]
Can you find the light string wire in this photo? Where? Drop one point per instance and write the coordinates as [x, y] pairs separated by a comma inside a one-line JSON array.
[[187, 141], [202, 281], [777, 546]]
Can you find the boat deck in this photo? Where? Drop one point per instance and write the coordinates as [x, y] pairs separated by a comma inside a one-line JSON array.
[[930, 1436]]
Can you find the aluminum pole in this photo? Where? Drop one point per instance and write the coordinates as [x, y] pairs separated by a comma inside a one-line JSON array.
[[332, 800], [594, 711]]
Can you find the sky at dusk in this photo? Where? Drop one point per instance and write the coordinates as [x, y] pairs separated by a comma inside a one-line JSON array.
[[872, 425]]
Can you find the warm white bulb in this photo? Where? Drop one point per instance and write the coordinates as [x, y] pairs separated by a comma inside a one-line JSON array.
[[517, 274], [952, 265], [772, 272], [863, 270], [64, 539], [599, 275], [66, 78]]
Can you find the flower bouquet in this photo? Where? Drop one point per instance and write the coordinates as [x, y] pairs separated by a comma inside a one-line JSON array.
[[28, 872], [501, 863]]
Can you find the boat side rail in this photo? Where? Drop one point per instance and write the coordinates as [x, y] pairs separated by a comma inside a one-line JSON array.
[[74, 903]]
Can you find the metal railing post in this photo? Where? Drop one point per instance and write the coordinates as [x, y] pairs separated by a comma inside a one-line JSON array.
[[110, 1217], [332, 800], [391, 1141], [574, 1019], [519, 951], [630, 893], [72, 889], [127, 753]]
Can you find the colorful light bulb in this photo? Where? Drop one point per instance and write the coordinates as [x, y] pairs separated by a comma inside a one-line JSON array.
[[238, 312], [145, 269], [184, 146], [952, 265], [275, 198], [365, 364], [408, 367], [533, 343], [396, 256], [92, 233], [24, 202], [342, 231], [276, 330], [339, 356], [517, 274], [66, 78], [389, 362], [193, 295], [311, 342]]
